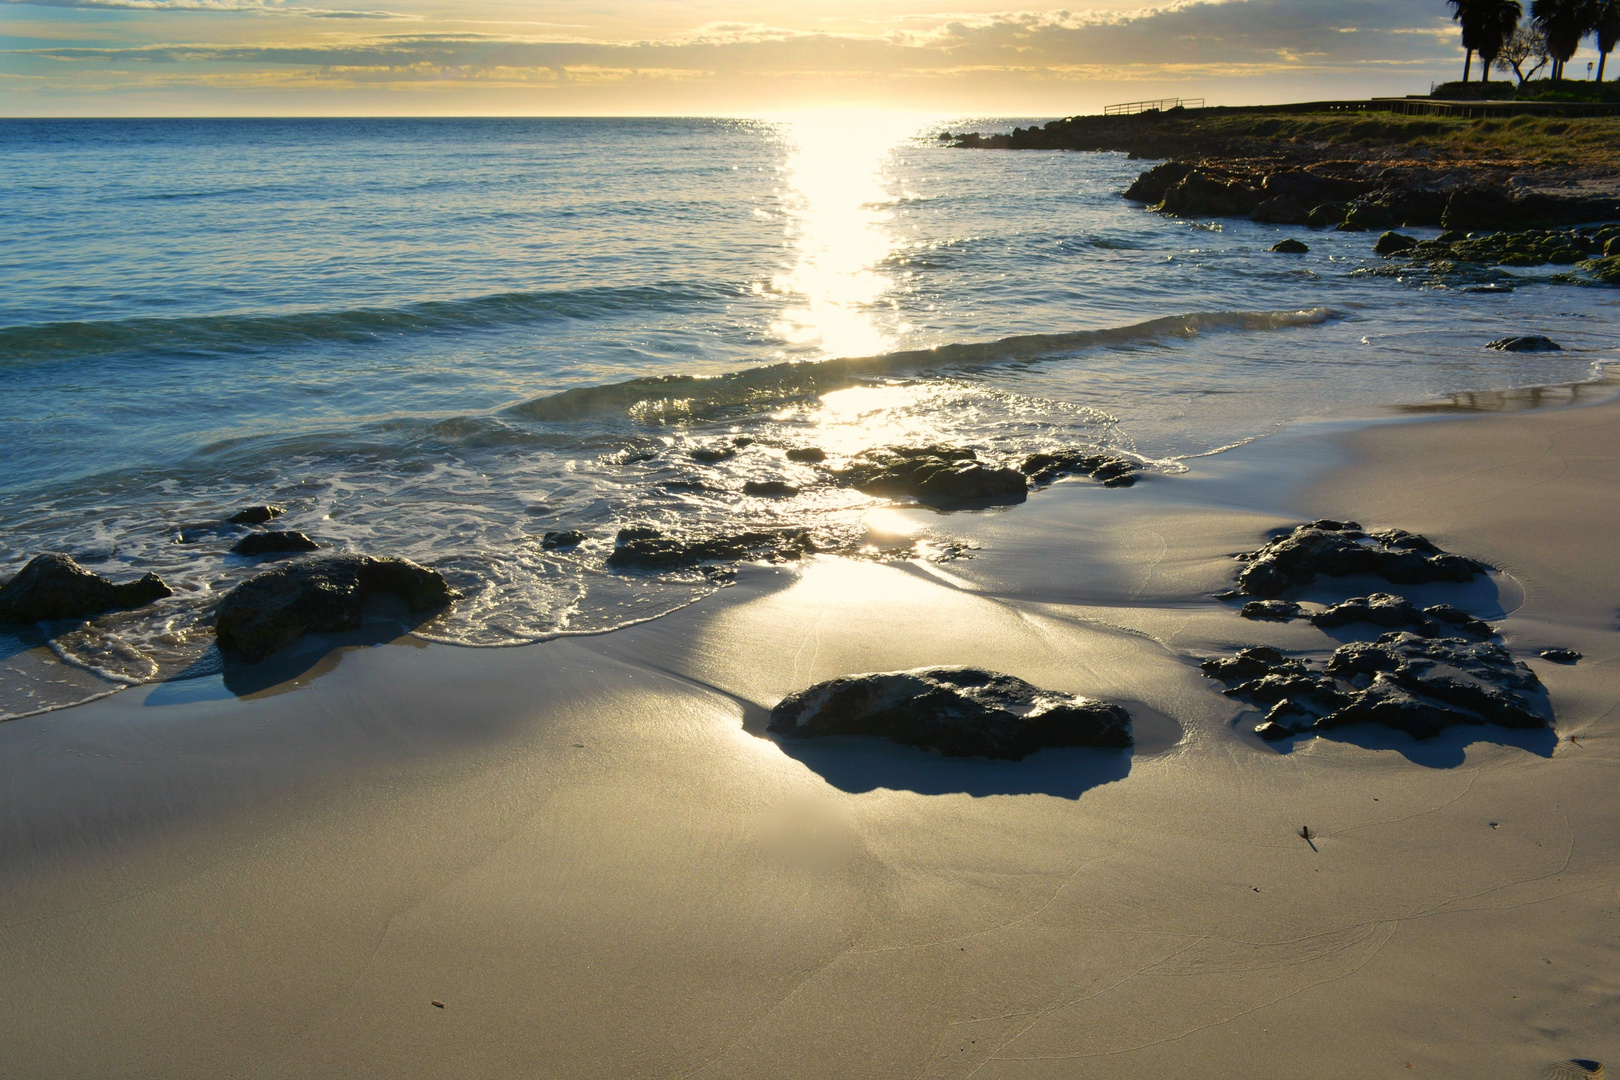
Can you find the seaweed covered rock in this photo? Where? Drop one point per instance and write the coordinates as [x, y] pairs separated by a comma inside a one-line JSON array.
[[1398, 613], [1340, 549], [1106, 469], [643, 548], [276, 607], [273, 542], [937, 475], [1415, 684], [54, 586], [956, 711]]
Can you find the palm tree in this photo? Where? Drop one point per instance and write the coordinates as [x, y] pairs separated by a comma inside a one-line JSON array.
[[1497, 23], [1486, 26], [1563, 23], [1606, 29]]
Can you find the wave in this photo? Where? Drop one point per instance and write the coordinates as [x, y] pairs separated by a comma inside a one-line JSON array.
[[677, 396], [215, 334]]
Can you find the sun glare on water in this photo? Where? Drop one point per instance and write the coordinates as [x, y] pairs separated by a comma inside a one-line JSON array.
[[840, 207]]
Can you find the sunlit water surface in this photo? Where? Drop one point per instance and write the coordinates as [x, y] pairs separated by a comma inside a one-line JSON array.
[[366, 321]]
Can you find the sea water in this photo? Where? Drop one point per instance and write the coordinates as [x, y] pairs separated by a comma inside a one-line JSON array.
[[443, 338]]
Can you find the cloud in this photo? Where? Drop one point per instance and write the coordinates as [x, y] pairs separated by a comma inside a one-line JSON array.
[[251, 7], [1202, 38]]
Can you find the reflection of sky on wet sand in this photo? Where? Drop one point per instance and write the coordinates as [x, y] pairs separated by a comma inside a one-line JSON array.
[[840, 212]]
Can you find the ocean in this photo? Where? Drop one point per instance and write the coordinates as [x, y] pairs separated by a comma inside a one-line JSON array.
[[442, 339]]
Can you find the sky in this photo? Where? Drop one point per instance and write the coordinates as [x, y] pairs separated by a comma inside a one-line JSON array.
[[713, 57]]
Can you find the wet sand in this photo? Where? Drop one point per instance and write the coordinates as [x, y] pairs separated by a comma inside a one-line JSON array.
[[589, 852]]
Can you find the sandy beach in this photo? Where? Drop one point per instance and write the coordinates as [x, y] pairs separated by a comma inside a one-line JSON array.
[[585, 858]]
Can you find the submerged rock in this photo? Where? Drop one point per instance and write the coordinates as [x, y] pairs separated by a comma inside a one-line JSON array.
[[1290, 246], [1340, 549], [643, 548], [273, 542], [1414, 684], [937, 475], [53, 586], [256, 515], [807, 453], [1527, 343], [769, 489], [1106, 469], [1396, 612], [558, 540], [956, 711], [276, 607], [711, 454]]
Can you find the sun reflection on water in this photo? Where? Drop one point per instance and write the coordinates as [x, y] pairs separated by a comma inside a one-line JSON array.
[[840, 212]]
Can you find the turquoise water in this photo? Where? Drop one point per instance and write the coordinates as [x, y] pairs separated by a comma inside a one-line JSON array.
[[367, 321]]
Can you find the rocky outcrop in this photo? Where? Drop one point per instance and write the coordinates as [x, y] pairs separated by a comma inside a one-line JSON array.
[[1396, 612], [324, 594], [1341, 549], [274, 542], [1151, 186], [256, 515], [54, 586], [1414, 684], [644, 548], [956, 711], [1526, 343], [943, 476], [1107, 470]]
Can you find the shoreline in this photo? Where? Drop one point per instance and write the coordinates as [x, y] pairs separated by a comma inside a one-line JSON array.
[[587, 850]]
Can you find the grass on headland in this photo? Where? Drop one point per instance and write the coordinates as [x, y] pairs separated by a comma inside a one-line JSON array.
[[1518, 141]]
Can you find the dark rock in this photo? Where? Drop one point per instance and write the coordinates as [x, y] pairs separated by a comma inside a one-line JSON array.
[[1415, 684], [712, 454], [53, 586], [936, 475], [956, 711], [807, 453], [1393, 243], [1396, 612], [1290, 246], [644, 549], [1479, 208], [1205, 194], [1560, 656], [1326, 215], [769, 489], [256, 515], [637, 532], [1105, 469], [742, 441], [323, 594], [273, 542], [559, 540], [1607, 269], [1282, 210], [1527, 343], [1340, 549], [1273, 610], [1151, 186]]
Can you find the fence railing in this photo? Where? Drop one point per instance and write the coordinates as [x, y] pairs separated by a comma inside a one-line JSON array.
[[1161, 105]]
